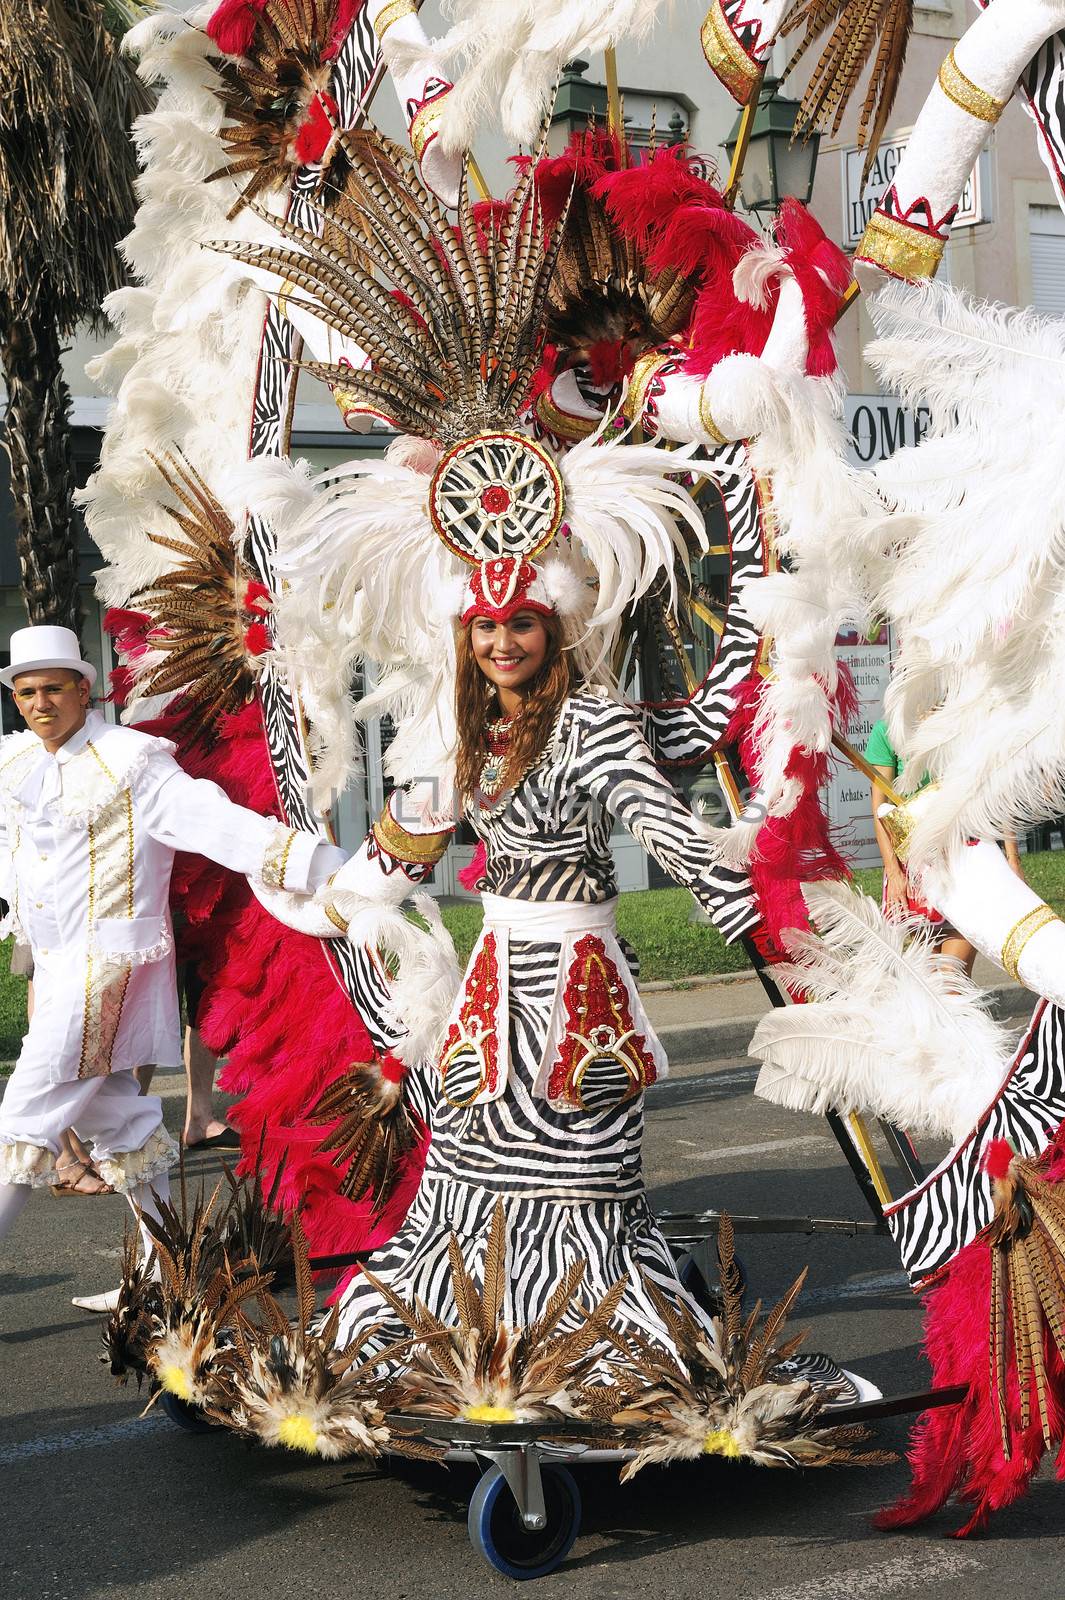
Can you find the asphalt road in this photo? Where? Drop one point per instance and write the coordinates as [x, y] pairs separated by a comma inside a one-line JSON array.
[[95, 1502]]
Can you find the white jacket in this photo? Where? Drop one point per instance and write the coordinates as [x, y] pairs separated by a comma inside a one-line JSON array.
[[87, 842]]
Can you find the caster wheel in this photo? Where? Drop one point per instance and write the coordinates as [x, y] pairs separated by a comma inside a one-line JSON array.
[[497, 1531], [190, 1418]]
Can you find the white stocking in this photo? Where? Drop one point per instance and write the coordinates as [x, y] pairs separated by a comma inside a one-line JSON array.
[[13, 1198], [143, 1201]]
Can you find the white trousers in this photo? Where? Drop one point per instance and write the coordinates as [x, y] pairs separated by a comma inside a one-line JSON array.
[[109, 1113]]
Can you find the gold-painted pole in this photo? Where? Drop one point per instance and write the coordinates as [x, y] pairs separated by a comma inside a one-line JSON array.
[[613, 97], [743, 139], [860, 1134], [877, 779], [850, 296], [476, 176], [728, 784]]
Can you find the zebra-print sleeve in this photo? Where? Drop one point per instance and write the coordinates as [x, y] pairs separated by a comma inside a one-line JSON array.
[[615, 766]]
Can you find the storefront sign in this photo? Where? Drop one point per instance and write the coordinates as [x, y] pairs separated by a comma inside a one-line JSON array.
[[878, 425], [859, 203], [850, 807]]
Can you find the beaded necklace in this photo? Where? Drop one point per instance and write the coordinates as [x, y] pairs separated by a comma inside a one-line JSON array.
[[493, 773]]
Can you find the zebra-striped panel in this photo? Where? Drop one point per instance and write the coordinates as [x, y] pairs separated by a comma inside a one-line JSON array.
[[356, 76], [687, 732], [570, 1183], [953, 1206], [549, 838]]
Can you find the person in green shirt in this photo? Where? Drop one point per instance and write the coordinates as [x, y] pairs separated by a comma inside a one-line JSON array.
[[899, 899]]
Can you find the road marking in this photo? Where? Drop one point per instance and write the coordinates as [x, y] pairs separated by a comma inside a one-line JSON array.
[[703, 1080], [901, 1575], [54, 1444], [875, 1283], [770, 1147]]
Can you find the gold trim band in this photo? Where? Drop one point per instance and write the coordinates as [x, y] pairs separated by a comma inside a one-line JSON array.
[[394, 12], [420, 849], [706, 419], [967, 94], [726, 57], [563, 424], [1020, 935], [334, 916], [425, 126], [902, 250], [642, 373], [275, 860]]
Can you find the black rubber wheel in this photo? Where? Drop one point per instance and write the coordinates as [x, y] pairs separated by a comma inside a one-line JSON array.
[[707, 1295], [498, 1533], [190, 1418]]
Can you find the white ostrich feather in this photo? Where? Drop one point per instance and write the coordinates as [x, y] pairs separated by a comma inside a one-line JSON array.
[[818, 502], [968, 561], [187, 331], [624, 508], [754, 273], [890, 1030], [505, 57], [422, 965]]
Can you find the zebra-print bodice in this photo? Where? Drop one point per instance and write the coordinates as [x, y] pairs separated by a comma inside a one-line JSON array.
[[549, 838]]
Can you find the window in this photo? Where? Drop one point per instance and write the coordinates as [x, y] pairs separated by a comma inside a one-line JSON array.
[[1046, 226]]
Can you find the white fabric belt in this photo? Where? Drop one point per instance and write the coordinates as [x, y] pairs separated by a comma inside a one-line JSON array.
[[548, 919]]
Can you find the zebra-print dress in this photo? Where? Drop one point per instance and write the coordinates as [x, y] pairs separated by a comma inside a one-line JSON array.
[[570, 1180]]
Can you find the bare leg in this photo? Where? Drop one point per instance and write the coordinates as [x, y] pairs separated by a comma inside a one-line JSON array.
[[144, 1077], [200, 1065], [959, 949]]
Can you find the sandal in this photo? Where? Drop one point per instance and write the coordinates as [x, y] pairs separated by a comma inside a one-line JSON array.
[[73, 1186]]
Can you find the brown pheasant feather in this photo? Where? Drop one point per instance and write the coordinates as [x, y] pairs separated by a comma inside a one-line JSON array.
[[723, 1395], [269, 94], [486, 1371], [287, 1385], [602, 290], [132, 1325], [204, 610], [375, 1130], [451, 316], [1027, 1240], [201, 1293], [859, 31]]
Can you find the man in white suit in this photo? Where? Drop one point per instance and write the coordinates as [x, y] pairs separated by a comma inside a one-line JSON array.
[[90, 817]]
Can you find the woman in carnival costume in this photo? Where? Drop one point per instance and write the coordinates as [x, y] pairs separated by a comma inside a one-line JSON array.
[[548, 1052]]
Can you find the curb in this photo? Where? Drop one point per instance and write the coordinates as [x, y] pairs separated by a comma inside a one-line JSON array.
[[728, 1040]]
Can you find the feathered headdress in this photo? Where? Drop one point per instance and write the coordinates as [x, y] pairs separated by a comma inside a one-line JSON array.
[[452, 318]]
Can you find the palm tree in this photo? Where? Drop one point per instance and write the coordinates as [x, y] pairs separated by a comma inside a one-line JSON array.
[[67, 169]]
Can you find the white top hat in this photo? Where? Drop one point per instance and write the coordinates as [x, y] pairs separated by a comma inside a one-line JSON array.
[[33, 649]]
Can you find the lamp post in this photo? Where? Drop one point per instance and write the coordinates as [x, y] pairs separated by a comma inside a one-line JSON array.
[[775, 162]]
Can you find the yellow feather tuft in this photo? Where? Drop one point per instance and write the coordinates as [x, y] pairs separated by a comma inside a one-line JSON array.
[[721, 1442], [175, 1380], [298, 1433], [489, 1414]]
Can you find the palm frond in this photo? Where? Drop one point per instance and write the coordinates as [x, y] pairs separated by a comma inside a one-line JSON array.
[[68, 99]]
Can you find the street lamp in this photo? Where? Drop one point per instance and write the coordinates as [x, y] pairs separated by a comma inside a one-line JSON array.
[[777, 163]]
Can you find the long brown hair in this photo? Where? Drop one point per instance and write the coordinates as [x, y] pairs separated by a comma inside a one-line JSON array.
[[475, 701]]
